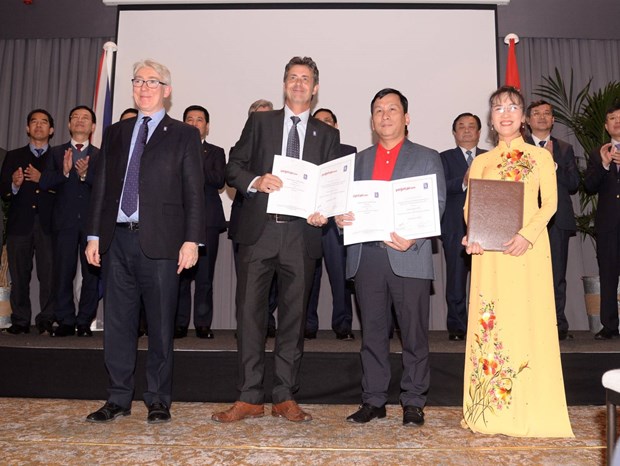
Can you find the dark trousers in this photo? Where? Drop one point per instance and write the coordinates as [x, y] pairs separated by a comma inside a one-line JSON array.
[[202, 274], [280, 250], [458, 266], [20, 251], [129, 275], [334, 254], [558, 240], [273, 291], [69, 246], [608, 256], [377, 288]]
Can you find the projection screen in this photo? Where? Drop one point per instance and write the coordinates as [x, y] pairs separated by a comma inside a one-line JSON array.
[[224, 58]]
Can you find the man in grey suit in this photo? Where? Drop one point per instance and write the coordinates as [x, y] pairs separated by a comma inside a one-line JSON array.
[[539, 118], [271, 244], [397, 272]]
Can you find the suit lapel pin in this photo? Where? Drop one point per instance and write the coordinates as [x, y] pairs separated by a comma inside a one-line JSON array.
[[165, 128], [314, 133]]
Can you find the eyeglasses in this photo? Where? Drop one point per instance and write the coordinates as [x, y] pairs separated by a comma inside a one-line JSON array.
[[512, 108], [150, 83]]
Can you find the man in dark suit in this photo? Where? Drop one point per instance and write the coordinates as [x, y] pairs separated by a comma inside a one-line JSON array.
[[466, 131], [334, 254], [29, 224], [603, 178], [214, 164], [68, 174], [260, 105], [397, 272], [275, 244], [539, 118], [147, 219]]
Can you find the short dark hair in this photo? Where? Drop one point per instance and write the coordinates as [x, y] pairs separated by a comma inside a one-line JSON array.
[[383, 92], [328, 111], [196, 108], [533, 105], [84, 107], [46, 113], [129, 110], [305, 61], [613, 108], [467, 114]]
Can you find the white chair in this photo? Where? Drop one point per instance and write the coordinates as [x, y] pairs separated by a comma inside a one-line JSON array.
[[611, 382]]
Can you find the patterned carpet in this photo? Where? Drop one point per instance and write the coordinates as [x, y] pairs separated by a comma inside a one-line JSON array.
[[53, 432]]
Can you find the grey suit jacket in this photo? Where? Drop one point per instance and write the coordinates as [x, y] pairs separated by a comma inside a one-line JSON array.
[[413, 160]]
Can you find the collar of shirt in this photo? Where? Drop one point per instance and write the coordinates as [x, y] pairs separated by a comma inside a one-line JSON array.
[[155, 120], [85, 144], [33, 147], [301, 129], [473, 151], [537, 141], [385, 161], [614, 142]]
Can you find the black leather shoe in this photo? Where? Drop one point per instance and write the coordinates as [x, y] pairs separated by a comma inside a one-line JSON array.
[[271, 332], [64, 331], [180, 332], [366, 413], [45, 326], [606, 334], [108, 412], [413, 416], [563, 335], [204, 332], [84, 331], [17, 329], [456, 336], [347, 336], [308, 335], [158, 414]]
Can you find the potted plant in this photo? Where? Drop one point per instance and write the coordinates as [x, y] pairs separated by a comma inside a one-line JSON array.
[[583, 112]]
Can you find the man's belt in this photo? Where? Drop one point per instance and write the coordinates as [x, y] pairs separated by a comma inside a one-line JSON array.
[[279, 218], [131, 226], [376, 244]]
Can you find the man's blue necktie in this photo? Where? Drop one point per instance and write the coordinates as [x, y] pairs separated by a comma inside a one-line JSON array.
[[130, 191]]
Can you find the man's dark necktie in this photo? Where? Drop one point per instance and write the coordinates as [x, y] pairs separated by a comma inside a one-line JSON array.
[[39, 152], [542, 143], [78, 152], [470, 157], [618, 149], [292, 145], [130, 190]]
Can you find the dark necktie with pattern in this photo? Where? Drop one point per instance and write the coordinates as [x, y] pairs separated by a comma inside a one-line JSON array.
[[470, 157], [39, 152], [130, 190], [292, 145], [542, 143]]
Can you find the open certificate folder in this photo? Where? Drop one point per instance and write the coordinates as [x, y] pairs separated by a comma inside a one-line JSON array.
[[308, 188], [409, 207]]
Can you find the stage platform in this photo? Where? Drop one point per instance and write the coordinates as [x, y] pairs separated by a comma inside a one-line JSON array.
[[38, 366]]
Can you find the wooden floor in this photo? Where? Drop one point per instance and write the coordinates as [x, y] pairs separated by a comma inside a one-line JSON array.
[[54, 432]]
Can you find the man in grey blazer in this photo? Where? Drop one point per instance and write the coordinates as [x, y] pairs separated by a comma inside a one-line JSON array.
[[397, 272]]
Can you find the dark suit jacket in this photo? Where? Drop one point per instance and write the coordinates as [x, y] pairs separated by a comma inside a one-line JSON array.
[[171, 195], [252, 156], [454, 167], [605, 183], [30, 199], [567, 175], [214, 161], [346, 149], [72, 195]]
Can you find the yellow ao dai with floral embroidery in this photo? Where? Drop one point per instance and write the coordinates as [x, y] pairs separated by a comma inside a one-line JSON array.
[[513, 381]]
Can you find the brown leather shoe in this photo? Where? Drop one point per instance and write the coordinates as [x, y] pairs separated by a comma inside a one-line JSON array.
[[290, 410], [240, 410]]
